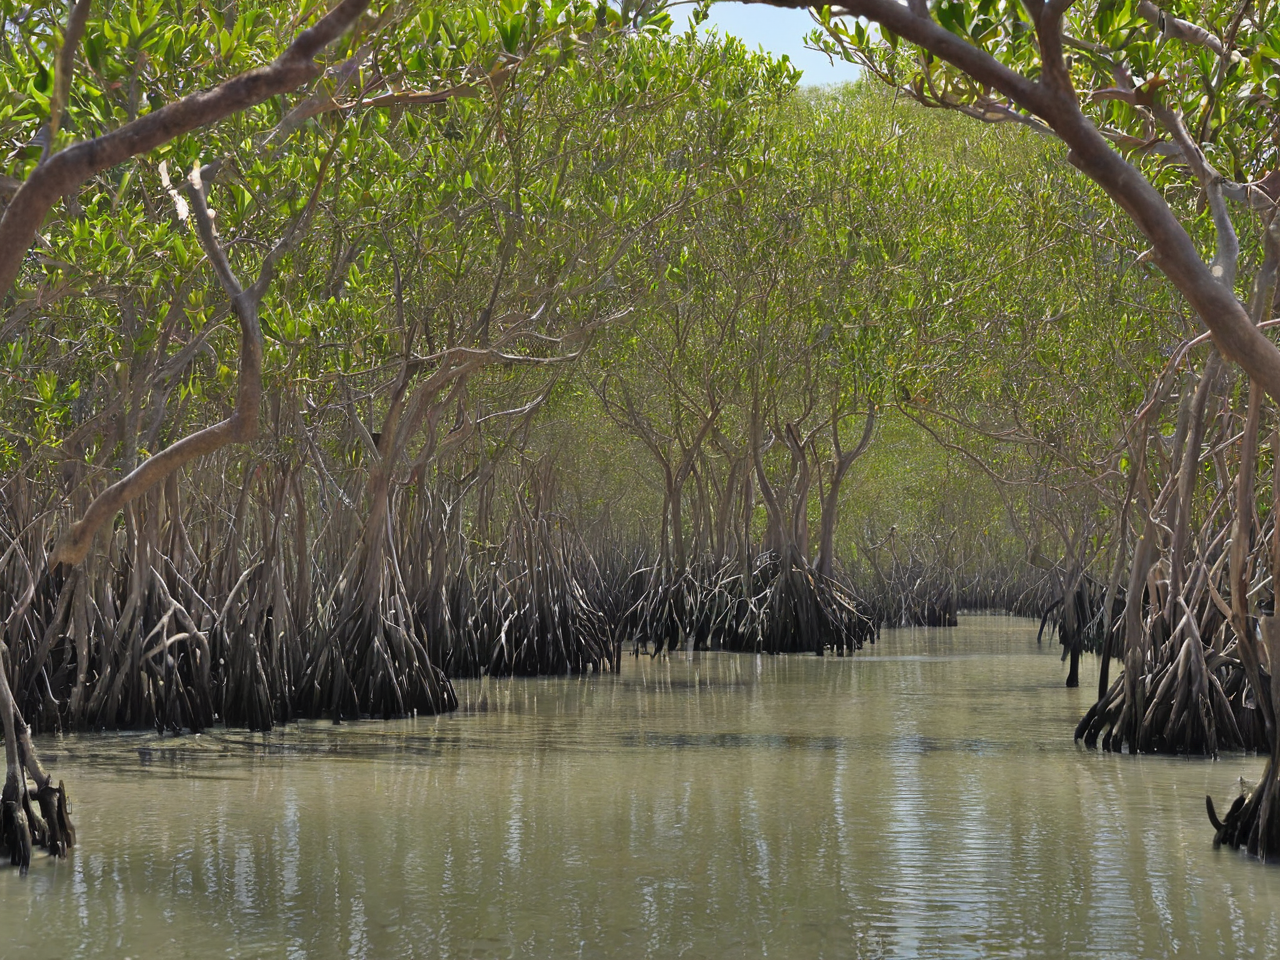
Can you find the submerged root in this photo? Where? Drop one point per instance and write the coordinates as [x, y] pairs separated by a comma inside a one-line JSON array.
[[23, 829], [535, 613], [374, 663], [780, 606], [1194, 702], [1192, 697], [1253, 819], [16, 833], [55, 808]]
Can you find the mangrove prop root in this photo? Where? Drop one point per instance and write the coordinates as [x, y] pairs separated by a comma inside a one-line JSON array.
[[1244, 824], [1193, 693], [22, 829], [783, 606], [1253, 820], [60, 834]]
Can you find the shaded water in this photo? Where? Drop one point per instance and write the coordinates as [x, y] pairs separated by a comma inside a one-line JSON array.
[[920, 799]]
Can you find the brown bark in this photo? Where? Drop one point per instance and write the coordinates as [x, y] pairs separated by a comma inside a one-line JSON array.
[[722, 513], [1136, 472], [803, 482], [1188, 474], [1266, 829], [1183, 30], [65, 69], [72, 166], [1241, 534], [1263, 292], [241, 426], [674, 473], [1135, 635], [841, 462], [775, 534]]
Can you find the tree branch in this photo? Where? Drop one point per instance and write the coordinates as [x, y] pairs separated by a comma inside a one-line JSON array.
[[1227, 257], [242, 425], [65, 71], [67, 169], [1171, 26]]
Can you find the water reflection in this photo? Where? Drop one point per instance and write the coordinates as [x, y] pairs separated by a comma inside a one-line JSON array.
[[922, 798]]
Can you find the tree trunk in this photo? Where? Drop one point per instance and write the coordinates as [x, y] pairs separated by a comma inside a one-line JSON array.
[[1188, 474], [675, 495], [831, 502]]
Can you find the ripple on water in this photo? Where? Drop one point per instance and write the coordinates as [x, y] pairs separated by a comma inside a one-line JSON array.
[[922, 798]]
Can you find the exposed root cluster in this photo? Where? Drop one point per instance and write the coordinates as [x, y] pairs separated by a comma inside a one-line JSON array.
[[780, 605]]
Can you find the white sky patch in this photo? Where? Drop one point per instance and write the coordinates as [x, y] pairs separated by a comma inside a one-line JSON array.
[[776, 30]]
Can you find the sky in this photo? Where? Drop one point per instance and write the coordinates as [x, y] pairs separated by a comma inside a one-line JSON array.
[[778, 31]]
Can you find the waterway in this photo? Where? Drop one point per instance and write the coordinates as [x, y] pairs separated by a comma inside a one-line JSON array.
[[920, 799]]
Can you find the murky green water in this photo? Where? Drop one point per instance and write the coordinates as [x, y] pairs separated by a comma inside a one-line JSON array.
[[921, 799]]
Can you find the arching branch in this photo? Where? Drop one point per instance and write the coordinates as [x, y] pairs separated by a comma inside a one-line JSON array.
[[65, 170]]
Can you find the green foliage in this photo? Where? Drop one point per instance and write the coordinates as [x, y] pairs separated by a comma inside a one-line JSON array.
[[557, 207], [1217, 70]]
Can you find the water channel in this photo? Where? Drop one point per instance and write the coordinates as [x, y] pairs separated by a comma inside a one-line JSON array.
[[922, 798]]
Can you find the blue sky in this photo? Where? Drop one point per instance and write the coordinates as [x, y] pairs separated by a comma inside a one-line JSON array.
[[776, 30]]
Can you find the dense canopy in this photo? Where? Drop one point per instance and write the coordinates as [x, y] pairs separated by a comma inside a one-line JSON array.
[[347, 357]]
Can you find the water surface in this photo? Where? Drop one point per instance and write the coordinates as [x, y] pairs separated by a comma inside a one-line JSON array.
[[922, 798]]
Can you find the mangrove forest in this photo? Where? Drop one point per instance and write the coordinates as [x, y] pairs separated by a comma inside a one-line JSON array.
[[545, 478]]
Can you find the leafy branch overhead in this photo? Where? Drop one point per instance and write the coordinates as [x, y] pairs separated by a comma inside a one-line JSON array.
[[1109, 80]]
